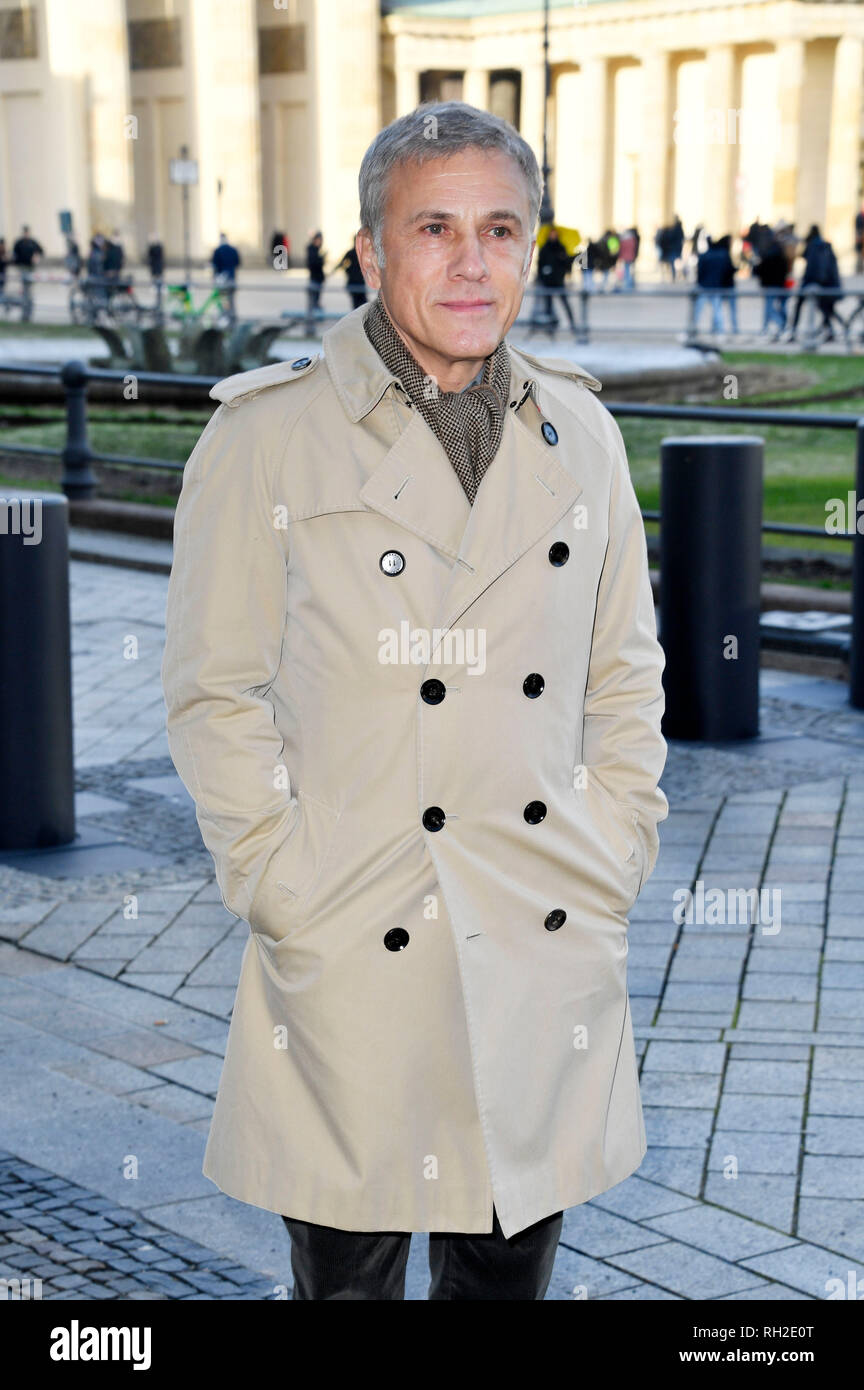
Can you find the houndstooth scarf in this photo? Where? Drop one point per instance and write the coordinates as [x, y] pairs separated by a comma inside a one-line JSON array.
[[468, 423]]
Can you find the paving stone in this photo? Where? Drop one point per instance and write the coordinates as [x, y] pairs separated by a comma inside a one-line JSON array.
[[600, 1233], [831, 1176], [768, 1197], [766, 1078], [762, 1015], [779, 1114], [807, 1267], [672, 1089], [718, 1232], [760, 1151], [685, 1057], [686, 1271]]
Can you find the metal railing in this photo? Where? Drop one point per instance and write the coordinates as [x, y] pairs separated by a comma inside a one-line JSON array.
[[80, 483], [591, 311]]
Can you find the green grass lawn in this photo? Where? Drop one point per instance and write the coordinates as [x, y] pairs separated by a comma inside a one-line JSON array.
[[803, 467]]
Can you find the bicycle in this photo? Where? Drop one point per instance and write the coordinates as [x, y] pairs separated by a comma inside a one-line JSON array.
[[219, 304]]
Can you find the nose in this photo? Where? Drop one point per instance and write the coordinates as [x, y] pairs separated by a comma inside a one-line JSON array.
[[469, 259]]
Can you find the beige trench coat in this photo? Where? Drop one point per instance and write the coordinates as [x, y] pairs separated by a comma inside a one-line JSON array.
[[430, 1017]]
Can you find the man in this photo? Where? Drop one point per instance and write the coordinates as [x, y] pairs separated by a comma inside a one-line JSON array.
[[553, 266], [226, 261], [770, 271], [414, 685], [715, 275], [26, 251], [315, 267]]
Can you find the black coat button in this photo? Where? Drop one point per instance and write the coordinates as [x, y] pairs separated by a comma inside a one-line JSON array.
[[534, 812], [533, 685], [549, 432], [392, 562], [557, 917], [433, 692], [559, 553], [300, 364], [433, 818], [396, 939]]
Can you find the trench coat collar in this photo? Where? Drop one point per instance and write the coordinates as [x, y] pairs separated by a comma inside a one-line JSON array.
[[523, 494]]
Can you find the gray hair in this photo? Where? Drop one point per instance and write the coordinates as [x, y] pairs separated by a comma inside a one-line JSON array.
[[434, 130]]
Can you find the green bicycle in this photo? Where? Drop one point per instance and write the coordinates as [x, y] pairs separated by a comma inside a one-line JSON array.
[[218, 307]]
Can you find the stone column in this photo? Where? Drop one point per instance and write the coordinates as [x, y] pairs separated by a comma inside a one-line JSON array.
[[722, 132], [222, 55], [595, 152], [653, 209], [407, 88], [790, 93], [475, 88], [843, 195], [531, 108]]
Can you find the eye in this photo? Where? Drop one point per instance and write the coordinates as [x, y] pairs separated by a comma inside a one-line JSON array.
[[432, 224], [502, 228]]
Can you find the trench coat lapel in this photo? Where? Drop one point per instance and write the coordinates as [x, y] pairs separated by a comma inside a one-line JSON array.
[[416, 486], [522, 495]]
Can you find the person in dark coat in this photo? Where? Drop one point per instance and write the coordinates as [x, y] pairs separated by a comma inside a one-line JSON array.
[[770, 271], [155, 258], [354, 282], [26, 251], [553, 266], [715, 275], [114, 258], [820, 270], [315, 267]]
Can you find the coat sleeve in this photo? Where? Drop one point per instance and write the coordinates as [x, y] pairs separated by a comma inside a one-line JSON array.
[[622, 747], [225, 620]]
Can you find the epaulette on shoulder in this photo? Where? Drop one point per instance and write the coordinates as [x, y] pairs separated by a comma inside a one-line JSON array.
[[231, 390], [560, 366]]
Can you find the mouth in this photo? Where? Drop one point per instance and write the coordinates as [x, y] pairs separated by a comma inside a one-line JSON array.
[[466, 306]]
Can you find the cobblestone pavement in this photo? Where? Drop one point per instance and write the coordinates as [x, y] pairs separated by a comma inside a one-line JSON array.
[[78, 1245], [118, 964]]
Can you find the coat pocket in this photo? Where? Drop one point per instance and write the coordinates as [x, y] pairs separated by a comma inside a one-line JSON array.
[[621, 836], [293, 873]]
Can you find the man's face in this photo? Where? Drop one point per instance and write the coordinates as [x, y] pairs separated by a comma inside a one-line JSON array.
[[457, 246]]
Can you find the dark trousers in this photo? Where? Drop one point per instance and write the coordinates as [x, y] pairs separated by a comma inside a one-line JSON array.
[[332, 1264]]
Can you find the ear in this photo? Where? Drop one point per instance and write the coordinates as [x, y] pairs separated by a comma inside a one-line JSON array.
[[367, 258], [526, 269]]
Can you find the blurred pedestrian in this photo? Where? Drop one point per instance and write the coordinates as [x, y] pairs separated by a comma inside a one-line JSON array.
[[72, 259], [553, 266], [354, 282], [315, 267], [627, 256], [155, 257], [770, 271], [820, 271], [226, 262], [715, 275]]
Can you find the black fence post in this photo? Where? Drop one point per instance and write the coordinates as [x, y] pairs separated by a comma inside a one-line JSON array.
[[856, 655], [710, 584], [79, 481], [37, 782]]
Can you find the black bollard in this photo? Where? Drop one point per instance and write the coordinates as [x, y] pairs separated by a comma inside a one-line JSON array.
[[37, 783], [710, 575]]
